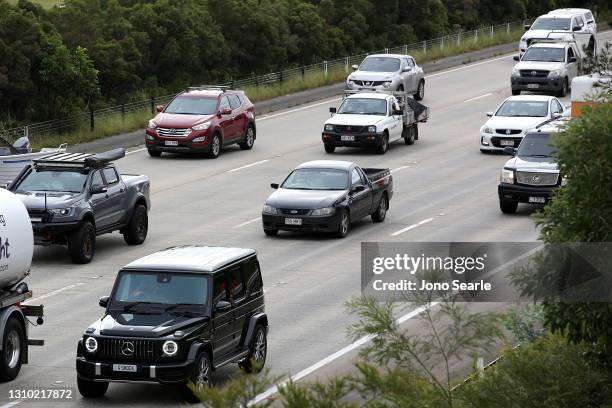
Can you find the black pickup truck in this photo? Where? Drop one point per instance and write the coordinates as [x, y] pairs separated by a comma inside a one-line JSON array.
[[73, 197], [327, 195]]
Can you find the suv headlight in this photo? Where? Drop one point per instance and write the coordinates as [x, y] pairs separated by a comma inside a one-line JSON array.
[[350, 83], [170, 348], [387, 84], [152, 124], [201, 126], [268, 209], [486, 129], [329, 128], [91, 344], [555, 73], [60, 211], [516, 72], [321, 212], [507, 176], [371, 129]]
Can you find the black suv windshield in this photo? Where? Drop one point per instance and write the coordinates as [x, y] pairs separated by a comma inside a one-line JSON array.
[[544, 54], [380, 64], [316, 179], [189, 105], [145, 288], [54, 180], [364, 106], [523, 108], [536, 145], [551, 24]]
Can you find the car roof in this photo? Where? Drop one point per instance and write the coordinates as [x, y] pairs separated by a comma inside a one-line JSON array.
[[389, 55], [549, 45], [369, 95], [531, 98], [559, 14], [190, 258], [326, 164], [571, 11], [213, 93]]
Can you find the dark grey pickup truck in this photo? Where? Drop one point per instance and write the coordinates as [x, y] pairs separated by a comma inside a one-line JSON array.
[[73, 197]]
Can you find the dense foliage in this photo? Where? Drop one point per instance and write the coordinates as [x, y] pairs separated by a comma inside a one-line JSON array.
[[53, 62]]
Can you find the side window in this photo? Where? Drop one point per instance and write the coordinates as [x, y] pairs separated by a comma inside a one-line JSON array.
[[234, 101], [589, 17], [411, 62], [570, 53], [224, 104], [356, 179], [219, 289], [110, 174], [236, 284], [579, 21], [96, 179], [558, 106], [252, 276], [390, 107]]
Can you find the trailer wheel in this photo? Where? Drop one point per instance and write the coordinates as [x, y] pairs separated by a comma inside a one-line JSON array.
[[420, 93], [410, 134], [82, 243], [13, 347]]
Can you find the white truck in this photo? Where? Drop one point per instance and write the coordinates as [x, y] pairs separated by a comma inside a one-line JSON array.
[[373, 119], [16, 247]]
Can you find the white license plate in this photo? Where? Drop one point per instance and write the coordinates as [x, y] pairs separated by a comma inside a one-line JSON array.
[[171, 142], [507, 142], [533, 86], [125, 368], [539, 200], [293, 221], [35, 219], [346, 138]]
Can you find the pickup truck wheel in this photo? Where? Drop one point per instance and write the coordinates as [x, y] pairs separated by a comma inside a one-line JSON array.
[[13, 346], [507, 206], [201, 378], [249, 139], [384, 143], [270, 232], [329, 148], [154, 153], [82, 243], [91, 389], [410, 134], [381, 211], [420, 93], [563, 90], [516, 92], [215, 147], [135, 232], [343, 224], [258, 350]]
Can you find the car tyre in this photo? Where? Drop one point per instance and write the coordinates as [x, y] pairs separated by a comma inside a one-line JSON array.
[[249, 138], [82, 243], [258, 350], [384, 144], [154, 153], [329, 148], [516, 92], [270, 232], [13, 347], [344, 223], [91, 389], [215, 147], [381, 210], [200, 378], [410, 134], [420, 93], [135, 232], [564, 88], [507, 206]]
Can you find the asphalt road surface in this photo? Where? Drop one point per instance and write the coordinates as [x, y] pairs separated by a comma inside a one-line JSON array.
[[445, 190]]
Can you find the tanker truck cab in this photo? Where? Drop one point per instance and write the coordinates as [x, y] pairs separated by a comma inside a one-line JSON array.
[[16, 246], [73, 197]]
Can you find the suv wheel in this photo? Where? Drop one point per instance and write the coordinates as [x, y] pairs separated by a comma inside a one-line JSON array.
[[258, 350], [215, 147], [329, 148], [384, 143], [343, 224], [200, 378], [13, 347], [420, 93], [516, 91], [91, 389], [381, 211], [154, 153], [82, 243], [249, 138], [135, 232], [508, 207], [270, 232]]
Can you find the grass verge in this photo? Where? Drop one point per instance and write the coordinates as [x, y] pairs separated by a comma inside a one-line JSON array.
[[114, 125]]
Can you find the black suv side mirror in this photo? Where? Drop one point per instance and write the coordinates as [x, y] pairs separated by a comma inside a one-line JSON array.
[[98, 189], [510, 151], [333, 110], [103, 302], [527, 27], [222, 306], [358, 189], [274, 185], [516, 58]]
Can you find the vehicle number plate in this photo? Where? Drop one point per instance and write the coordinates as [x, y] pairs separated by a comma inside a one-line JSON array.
[[293, 221], [126, 368], [347, 138], [539, 200], [35, 219], [533, 86], [507, 142], [171, 142]]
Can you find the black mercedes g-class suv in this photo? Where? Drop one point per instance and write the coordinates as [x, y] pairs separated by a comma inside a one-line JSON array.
[[174, 317]]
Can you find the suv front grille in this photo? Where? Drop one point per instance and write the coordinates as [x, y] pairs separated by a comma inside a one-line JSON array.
[[534, 73], [350, 129], [171, 132], [508, 131], [117, 349], [369, 83], [285, 211], [537, 178]]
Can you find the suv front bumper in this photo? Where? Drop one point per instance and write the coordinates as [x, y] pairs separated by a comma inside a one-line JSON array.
[[177, 373], [546, 84], [523, 194]]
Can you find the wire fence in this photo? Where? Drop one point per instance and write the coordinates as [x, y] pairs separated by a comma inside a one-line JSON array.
[[92, 117]]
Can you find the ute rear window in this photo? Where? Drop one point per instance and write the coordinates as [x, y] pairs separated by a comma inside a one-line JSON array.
[[189, 105]]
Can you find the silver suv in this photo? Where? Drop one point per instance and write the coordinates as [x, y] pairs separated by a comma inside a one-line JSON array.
[[388, 72]]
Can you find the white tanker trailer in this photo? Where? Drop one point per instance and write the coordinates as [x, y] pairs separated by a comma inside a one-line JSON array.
[[16, 247]]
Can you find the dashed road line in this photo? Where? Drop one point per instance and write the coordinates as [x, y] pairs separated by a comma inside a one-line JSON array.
[[247, 166], [478, 97], [413, 226], [247, 222]]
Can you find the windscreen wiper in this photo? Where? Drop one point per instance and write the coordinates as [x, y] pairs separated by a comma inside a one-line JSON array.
[[131, 306]]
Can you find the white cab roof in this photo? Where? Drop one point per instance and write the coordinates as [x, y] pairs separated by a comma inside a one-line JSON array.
[[369, 95], [530, 98]]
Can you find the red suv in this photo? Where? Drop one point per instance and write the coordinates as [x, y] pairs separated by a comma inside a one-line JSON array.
[[202, 120]]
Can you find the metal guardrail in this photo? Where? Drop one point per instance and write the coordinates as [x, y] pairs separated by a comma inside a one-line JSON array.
[[56, 126]]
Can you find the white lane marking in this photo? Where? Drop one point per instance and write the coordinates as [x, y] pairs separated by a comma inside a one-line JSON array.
[[247, 166], [11, 404], [247, 222], [413, 226], [298, 109], [399, 169], [345, 350], [468, 66], [52, 293], [132, 152], [478, 97]]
